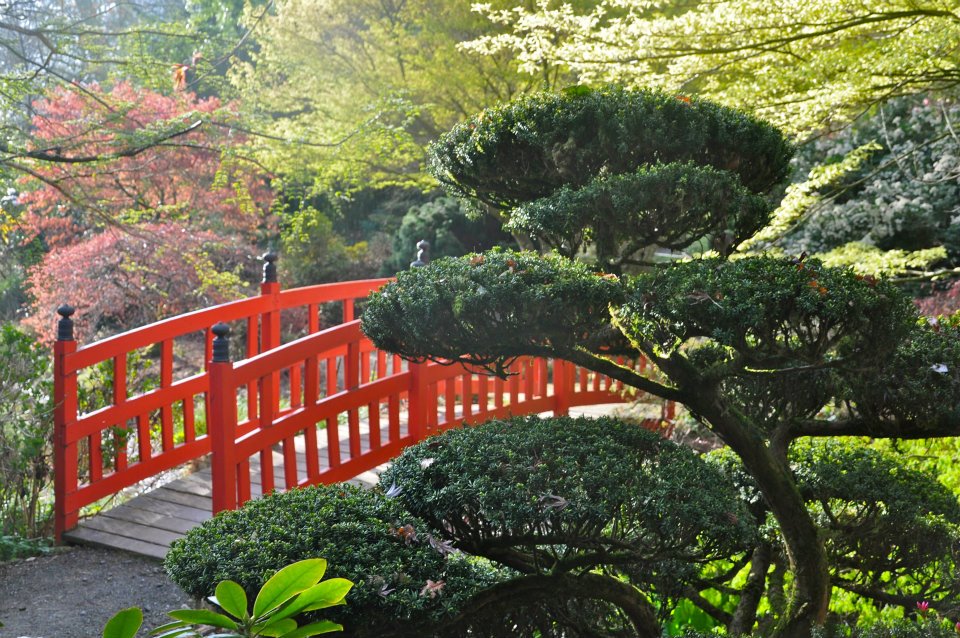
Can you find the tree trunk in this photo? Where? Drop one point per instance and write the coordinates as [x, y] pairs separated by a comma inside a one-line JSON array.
[[746, 614], [810, 595]]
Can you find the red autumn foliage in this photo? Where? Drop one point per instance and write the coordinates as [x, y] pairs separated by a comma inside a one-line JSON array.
[[941, 302], [187, 178], [118, 280]]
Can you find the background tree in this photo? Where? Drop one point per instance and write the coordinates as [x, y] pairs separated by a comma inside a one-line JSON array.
[[122, 279], [763, 351], [96, 183], [800, 65], [352, 92]]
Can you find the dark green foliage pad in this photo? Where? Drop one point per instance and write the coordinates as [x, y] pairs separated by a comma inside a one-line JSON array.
[[527, 149], [488, 309], [564, 495]]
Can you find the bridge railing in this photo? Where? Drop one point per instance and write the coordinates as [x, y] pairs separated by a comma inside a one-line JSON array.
[[280, 398], [134, 433], [379, 405]]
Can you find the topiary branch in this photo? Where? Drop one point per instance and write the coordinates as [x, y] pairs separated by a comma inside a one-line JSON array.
[[621, 373], [536, 587]]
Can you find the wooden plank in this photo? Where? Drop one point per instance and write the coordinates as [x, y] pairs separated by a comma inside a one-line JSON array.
[[191, 485], [86, 536], [149, 503], [136, 531], [183, 498], [153, 520]]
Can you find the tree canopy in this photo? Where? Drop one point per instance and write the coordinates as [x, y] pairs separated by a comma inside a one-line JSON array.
[[801, 65]]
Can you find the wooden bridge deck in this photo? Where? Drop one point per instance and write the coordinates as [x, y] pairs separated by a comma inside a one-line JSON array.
[[147, 524]]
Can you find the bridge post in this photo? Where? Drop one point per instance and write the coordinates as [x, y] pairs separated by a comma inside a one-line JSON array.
[[417, 390], [562, 387], [270, 329], [270, 287], [64, 414], [223, 422]]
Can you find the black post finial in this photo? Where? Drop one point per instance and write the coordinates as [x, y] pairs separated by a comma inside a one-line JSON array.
[[423, 254], [221, 345], [269, 267], [65, 324]]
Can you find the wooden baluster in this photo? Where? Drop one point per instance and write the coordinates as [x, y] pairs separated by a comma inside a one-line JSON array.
[[351, 381], [166, 380]]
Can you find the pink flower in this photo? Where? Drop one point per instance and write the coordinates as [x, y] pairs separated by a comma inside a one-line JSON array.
[[922, 608], [956, 628]]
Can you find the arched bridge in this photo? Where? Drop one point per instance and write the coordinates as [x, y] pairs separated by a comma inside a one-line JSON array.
[[272, 392]]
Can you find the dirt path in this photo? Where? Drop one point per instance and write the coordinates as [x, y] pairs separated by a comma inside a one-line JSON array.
[[72, 593]]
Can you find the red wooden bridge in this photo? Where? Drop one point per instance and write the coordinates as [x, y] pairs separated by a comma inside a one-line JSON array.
[[319, 408]]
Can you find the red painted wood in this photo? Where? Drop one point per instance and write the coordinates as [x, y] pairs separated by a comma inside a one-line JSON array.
[[114, 482], [166, 380], [221, 426], [417, 402], [64, 451]]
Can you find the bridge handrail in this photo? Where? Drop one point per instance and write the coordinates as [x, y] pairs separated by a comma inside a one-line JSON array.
[[288, 390], [114, 443]]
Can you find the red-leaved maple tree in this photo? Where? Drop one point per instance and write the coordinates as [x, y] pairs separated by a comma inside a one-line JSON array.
[[134, 156], [144, 204], [120, 279]]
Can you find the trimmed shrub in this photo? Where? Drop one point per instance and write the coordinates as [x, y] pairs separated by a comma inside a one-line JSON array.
[[528, 148], [512, 302], [564, 495], [365, 537]]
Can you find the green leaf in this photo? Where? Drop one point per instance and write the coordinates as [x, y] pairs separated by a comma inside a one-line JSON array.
[[231, 597], [332, 593], [288, 582], [176, 624], [203, 617], [124, 624], [314, 629], [320, 596], [275, 627]]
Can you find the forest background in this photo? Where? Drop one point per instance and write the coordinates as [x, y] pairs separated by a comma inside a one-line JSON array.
[[149, 151]]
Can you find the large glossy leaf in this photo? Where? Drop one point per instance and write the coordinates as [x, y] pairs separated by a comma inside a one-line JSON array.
[[203, 617], [232, 599], [314, 629], [124, 624], [320, 596], [276, 628], [287, 583]]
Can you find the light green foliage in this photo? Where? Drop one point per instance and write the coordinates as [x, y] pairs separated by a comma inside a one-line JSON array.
[[799, 64], [888, 527], [26, 433], [871, 260], [314, 253], [803, 196], [901, 197], [357, 88], [294, 590]]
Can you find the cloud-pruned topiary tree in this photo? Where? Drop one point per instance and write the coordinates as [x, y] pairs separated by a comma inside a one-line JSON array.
[[762, 351]]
